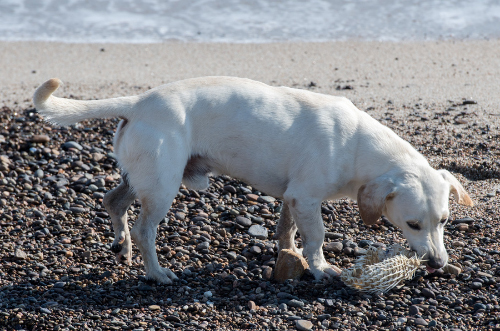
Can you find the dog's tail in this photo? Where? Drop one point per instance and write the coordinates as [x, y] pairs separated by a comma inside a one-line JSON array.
[[67, 111]]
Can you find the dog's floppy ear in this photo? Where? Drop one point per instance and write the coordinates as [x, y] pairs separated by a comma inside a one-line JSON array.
[[372, 197], [456, 189]]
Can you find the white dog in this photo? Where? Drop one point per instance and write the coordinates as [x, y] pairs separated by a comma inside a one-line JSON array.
[[297, 145]]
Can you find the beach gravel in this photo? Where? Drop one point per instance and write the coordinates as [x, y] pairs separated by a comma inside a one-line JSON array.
[[58, 272]]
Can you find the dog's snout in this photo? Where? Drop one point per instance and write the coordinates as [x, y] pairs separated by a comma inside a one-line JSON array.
[[436, 263]]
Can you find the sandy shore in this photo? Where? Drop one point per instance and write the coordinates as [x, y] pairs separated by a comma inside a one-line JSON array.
[[404, 73], [56, 267]]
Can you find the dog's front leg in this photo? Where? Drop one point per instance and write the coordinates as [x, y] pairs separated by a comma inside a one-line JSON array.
[[285, 233], [307, 214], [117, 202]]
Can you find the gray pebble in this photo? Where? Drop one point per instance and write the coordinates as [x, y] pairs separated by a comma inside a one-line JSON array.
[[72, 144], [335, 247], [303, 325], [258, 231], [295, 303], [243, 221], [476, 285], [203, 245]]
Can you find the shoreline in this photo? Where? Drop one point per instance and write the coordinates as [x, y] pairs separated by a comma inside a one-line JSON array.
[[406, 72]]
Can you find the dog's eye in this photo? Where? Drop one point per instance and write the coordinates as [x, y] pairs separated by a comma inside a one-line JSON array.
[[443, 221], [413, 225]]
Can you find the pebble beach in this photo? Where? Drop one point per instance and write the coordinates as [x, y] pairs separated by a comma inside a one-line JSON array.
[[58, 272]]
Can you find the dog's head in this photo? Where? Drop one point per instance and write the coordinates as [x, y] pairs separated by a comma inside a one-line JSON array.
[[417, 202]]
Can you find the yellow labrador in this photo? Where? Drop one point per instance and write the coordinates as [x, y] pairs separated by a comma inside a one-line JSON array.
[[297, 145]]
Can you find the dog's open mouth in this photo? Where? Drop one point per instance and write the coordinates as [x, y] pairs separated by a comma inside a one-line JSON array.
[[430, 270]]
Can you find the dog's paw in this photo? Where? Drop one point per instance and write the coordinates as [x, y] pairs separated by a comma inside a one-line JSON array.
[[162, 275], [327, 271], [122, 247]]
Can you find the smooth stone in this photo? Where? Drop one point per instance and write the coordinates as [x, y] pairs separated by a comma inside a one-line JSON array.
[[452, 269], [266, 199], [45, 311], [20, 254], [466, 220], [335, 247], [203, 245], [252, 305], [38, 173], [428, 293], [72, 144], [255, 250], [414, 310], [267, 273], [230, 188], [258, 231], [365, 243], [289, 265], [40, 138], [295, 303], [359, 251], [303, 325], [252, 197], [476, 285], [154, 307], [243, 221], [421, 321]]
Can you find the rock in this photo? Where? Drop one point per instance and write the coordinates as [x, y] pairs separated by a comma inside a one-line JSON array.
[[208, 294], [462, 227], [365, 243], [45, 311], [289, 265], [252, 197], [252, 305], [414, 310], [267, 273], [303, 325], [19, 254], [266, 199], [255, 250], [334, 247], [469, 102], [243, 221], [457, 243], [154, 307], [295, 303], [334, 235], [72, 144], [203, 245], [476, 285], [359, 251], [421, 321], [172, 318], [428, 293], [258, 231], [180, 216], [230, 188], [40, 138], [467, 220], [38, 173], [452, 269]]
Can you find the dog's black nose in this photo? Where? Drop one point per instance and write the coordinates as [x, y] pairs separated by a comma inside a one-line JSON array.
[[435, 263], [116, 248]]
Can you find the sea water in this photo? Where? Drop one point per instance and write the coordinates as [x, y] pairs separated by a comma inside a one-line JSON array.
[[244, 21]]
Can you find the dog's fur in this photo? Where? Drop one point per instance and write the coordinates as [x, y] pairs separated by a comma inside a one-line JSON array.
[[297, 145]]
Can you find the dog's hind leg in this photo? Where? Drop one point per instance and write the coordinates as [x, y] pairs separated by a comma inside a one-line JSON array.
[[117, 202], [155, 204], [285, 233]]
